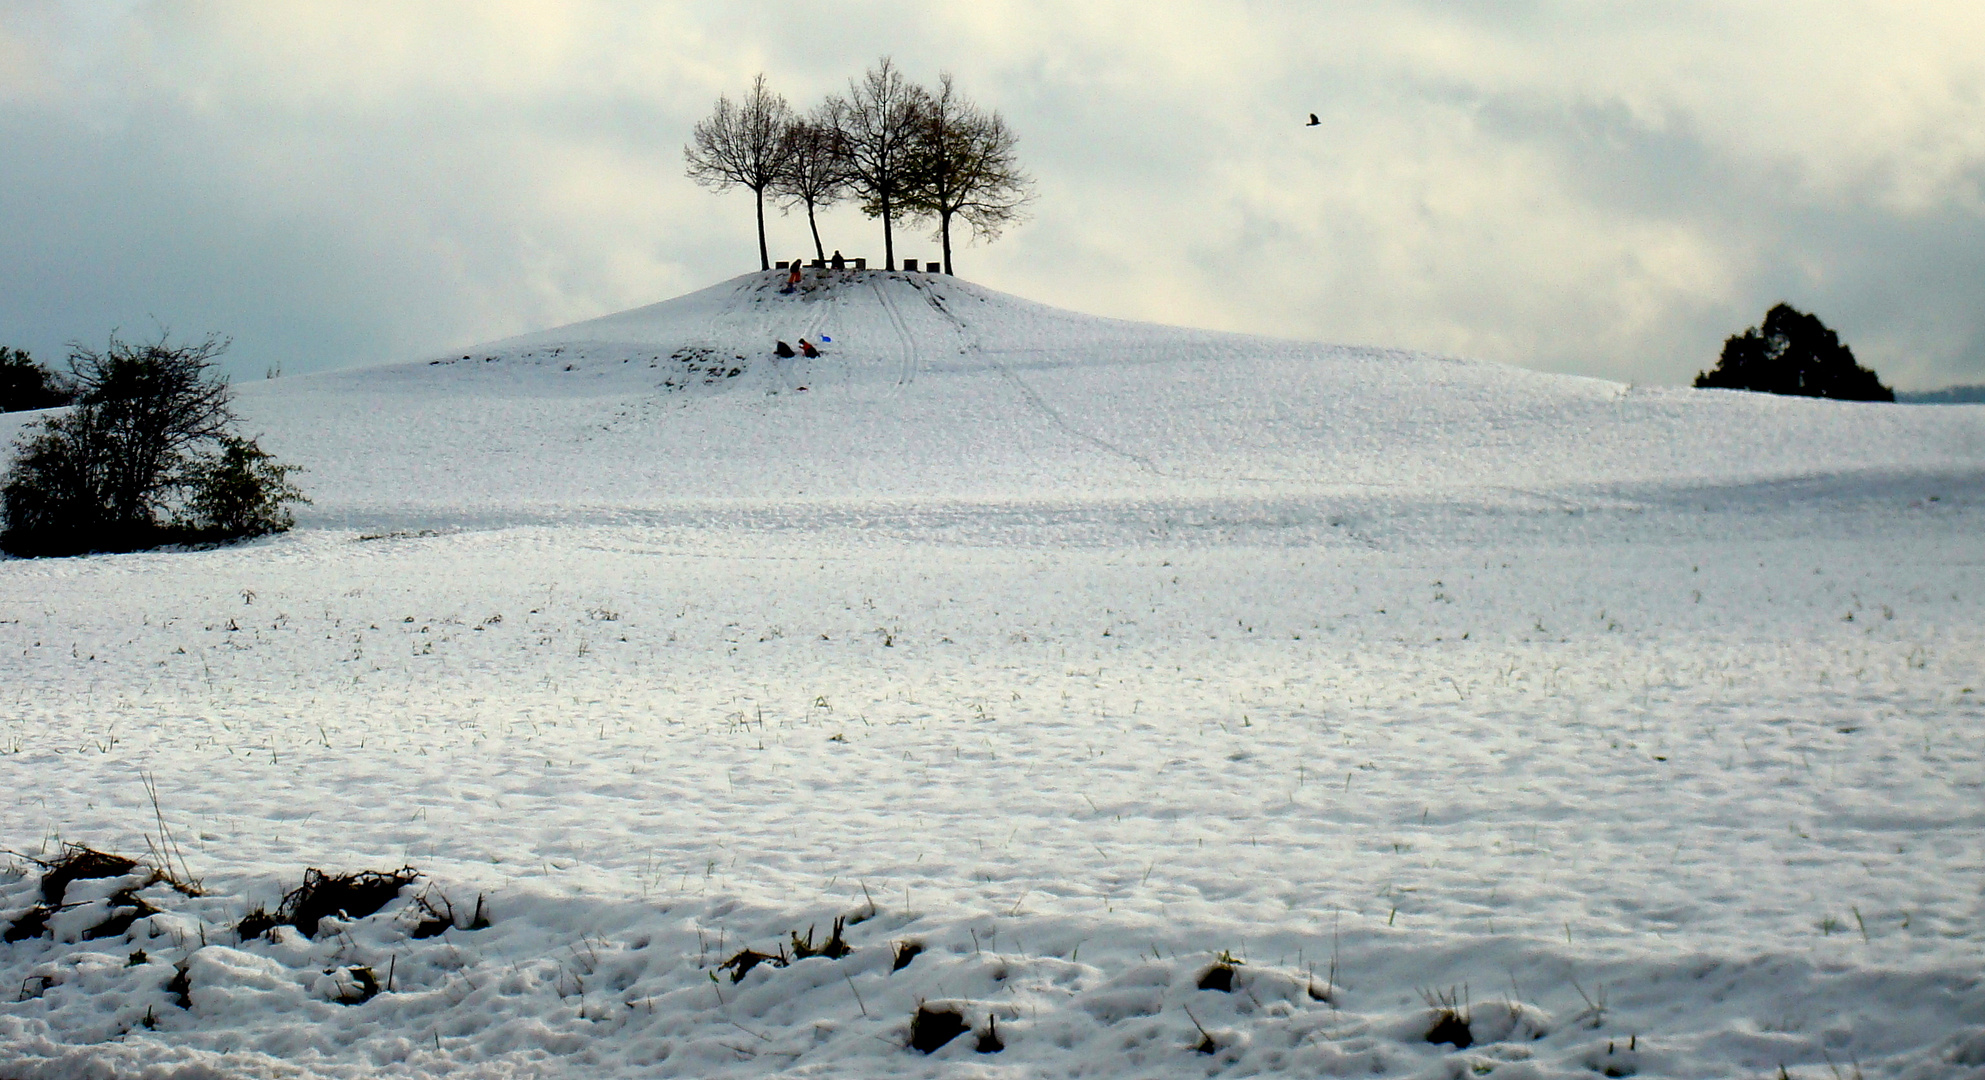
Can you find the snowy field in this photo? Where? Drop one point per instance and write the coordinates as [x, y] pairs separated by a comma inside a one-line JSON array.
[[1640, 726]]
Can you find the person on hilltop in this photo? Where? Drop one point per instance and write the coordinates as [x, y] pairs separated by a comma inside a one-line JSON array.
[[792, 279], [839, 262]]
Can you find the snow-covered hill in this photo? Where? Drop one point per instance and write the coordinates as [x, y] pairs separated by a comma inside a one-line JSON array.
[[936, 389], [1640, 725]]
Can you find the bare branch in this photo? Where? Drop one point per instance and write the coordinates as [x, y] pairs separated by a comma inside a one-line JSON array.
[[965, 168], [879, 122], [743, 145], [817, 168]]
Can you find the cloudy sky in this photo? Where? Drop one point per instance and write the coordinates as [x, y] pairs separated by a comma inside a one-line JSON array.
[[1579, 186]]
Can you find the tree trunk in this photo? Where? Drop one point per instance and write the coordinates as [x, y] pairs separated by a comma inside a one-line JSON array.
[[764, 259], [888, 239], [818, 251], [944, 228]]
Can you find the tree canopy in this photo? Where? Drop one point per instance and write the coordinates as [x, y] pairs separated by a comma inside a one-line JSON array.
[[964, 167], [817, 168], [880, 125], [745, 144], [897, 147]]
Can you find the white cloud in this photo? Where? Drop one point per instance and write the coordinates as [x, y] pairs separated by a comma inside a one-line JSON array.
[[1565, 185]]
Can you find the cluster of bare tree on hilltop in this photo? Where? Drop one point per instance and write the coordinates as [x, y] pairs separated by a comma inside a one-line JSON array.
[[900, 149]]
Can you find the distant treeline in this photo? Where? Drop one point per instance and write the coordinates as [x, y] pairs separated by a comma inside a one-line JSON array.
[[25, 384], [1949, 395]]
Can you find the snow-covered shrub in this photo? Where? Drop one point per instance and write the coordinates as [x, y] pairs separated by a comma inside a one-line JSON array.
[[144, 458]]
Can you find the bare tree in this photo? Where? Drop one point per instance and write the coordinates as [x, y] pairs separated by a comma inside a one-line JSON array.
[[152, 402], [816, 172], [880, 118], [148, 435], [964, 167], [743, 145]]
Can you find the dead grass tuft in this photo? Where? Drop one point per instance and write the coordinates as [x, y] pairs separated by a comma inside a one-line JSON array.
[[740, 965], [181, 985], [29, 924], [436, 921], [126, 907], [350, 896], [356, 985], [79, 862], [256, 923], [834, 948], [1207, 1043]]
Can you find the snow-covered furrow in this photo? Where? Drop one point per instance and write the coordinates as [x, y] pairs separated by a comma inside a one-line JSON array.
[[1638, 729], [1728, 799]]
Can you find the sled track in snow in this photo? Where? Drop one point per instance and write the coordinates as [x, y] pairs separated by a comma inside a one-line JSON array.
[[965, 344], [906, 372]]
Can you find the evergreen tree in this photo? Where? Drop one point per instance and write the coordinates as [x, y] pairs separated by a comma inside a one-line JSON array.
[[25, 384], [1793, 353]]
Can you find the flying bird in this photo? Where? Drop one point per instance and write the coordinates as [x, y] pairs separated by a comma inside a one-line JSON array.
[[1313, 121]]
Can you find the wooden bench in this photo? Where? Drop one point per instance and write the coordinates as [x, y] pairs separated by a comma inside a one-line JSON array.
[[821, 264]]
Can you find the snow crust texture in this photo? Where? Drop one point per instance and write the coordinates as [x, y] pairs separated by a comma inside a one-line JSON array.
[[1147, 702]]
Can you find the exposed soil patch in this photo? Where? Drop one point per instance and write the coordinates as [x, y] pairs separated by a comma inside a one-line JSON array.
[[1450, 1021], [1221, 975], [705, 365], [932, 1028]]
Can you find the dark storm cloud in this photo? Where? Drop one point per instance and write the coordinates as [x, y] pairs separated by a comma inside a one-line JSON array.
[[1556, 185]]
